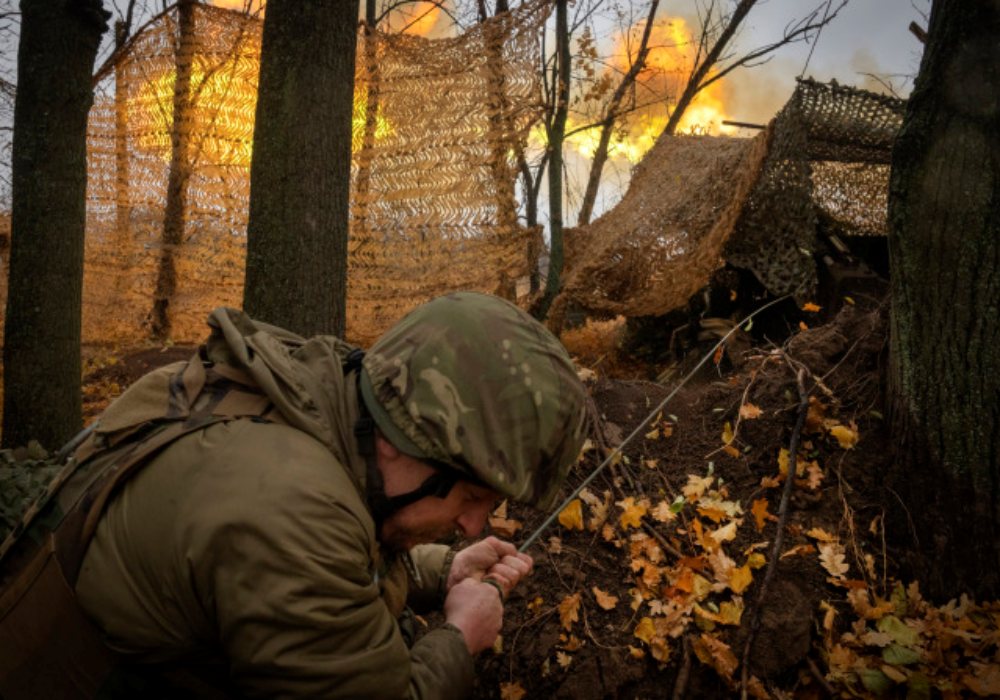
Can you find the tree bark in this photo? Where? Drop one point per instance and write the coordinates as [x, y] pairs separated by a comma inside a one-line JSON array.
[[178, 176], [296, 273], [944, 243], [557, 134], [41, 354]]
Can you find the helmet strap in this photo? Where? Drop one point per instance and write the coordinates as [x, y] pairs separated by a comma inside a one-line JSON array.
[[439, 484]]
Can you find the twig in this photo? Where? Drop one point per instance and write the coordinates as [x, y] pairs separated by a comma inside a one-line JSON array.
[[772, 564], [818, 675], [680, 685], [662, 540]]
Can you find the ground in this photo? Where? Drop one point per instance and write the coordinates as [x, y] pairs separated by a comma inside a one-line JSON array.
[[650, 582]]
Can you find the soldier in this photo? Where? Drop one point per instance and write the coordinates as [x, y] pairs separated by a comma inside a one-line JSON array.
[[254, 522]]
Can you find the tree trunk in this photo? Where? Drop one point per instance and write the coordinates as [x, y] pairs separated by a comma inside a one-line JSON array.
[[557, 134], [944, 242], [296, 273], [41, 353], [178, 175]]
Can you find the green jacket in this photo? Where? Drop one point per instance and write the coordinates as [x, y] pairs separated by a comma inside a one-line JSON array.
[[250, 543]]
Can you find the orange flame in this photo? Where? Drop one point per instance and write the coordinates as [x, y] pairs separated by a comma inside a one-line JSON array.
[[672, 51], [418, 18]]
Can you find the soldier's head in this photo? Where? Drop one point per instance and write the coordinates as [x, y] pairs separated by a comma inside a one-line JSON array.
[[473, 399]]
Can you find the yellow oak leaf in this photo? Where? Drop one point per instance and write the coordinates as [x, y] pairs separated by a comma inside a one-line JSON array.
[[632, 511], [571, 517], [731, 611], [604, 600], [800, 465], [756, 560], [749, 411], [569, 610], [563, 659], [811, 307], [512, 691]]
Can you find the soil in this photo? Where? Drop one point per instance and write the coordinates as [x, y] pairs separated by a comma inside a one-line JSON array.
[[599, 656]]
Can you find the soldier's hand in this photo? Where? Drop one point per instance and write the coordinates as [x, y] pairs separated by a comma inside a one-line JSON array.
[[490, 558], [476, 610]]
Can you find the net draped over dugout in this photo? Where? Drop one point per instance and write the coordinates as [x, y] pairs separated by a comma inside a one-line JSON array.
[[432, 192], [697, 202]]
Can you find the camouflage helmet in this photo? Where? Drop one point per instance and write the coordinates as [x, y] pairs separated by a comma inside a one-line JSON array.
[[475, 383]]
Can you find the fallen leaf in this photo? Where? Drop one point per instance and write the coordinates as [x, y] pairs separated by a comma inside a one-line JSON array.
[[571, 517], [799, 549], [749, 411], [800, 465], [645, 630], [536, 603], [726, 533], [636, 652], [650, 463], [632, 511], [727, 433], [604, 600], [740, 578], [569, 610], [814, 474], [818, 533], [505, 527], [756, 689], [731, 451], [563, 659], [760, 513], [555, 545], [832, 557], [712, 652], [662, 512], [803, 326], [756, 560], [770, 482], [512, 691], [810, 307], [846, 436], [573, 643], [660, 649], [653, 434], [696, 486]]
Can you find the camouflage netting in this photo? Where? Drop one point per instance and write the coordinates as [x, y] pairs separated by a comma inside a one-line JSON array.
[[829, 159], [697, 202], [661, 242], [432, 194]]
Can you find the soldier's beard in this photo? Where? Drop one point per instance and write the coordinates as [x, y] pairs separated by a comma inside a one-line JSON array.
[[399, 537]]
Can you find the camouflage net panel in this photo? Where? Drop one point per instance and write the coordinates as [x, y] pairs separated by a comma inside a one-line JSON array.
[[695, 202], [659, 245], [830, 154], [432, 192]]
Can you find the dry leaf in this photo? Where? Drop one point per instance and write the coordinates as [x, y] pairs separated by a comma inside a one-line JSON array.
[[632, 511], [696, 486], [731, 451], [636, 652], [573, 643], [512, 691], [555, 545], [563, 659], [653, 434], [727, 433], [799, 549], [749, 411], [725, 533], [811, 307], [756, 560], [604, 600], [586, 375], [740, 578], [832, 557], [760, 513], [718, 655], [818, 533], [660, 649], [770, 482], [645, 630], [505, 527], [662, 512], [846, 436], [815, 475], [571, 517], [569, 610], [755, 689], [650, 463]]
